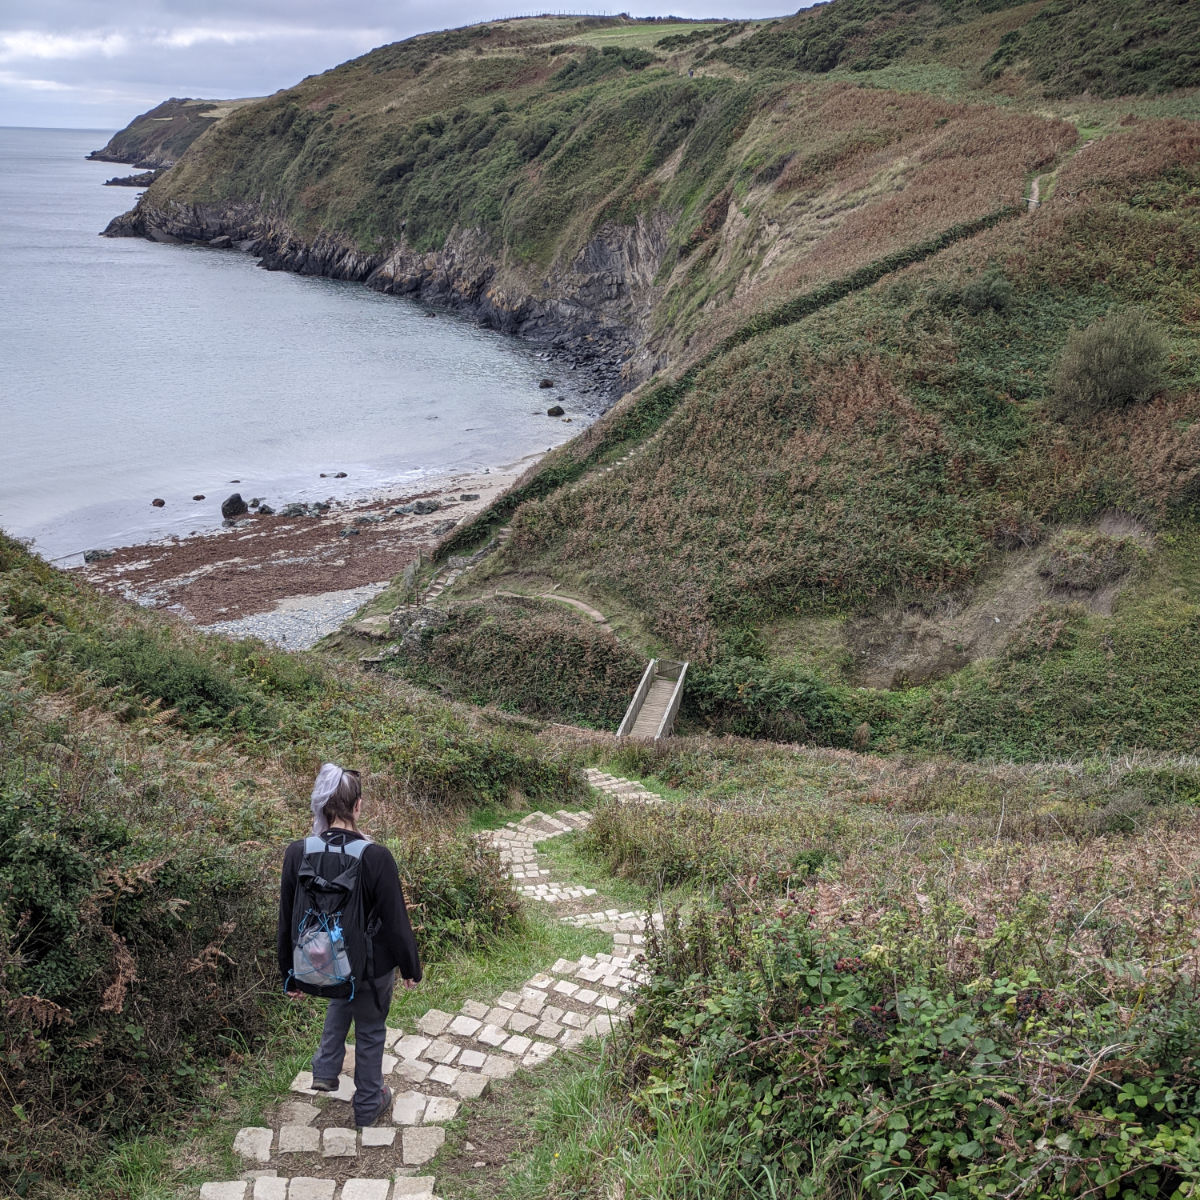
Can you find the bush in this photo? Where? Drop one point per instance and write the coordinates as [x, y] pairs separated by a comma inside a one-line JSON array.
[[751, 698], [128, 964], [535, 656], [990, 291], [706, 845], [152, 666], [1089, 561], [1119, 360], [457, 891], [872, 1067]]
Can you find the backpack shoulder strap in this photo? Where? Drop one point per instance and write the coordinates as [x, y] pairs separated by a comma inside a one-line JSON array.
[[315, 843]]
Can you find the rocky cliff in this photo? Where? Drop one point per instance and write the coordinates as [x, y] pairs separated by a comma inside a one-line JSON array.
[[593, 311]]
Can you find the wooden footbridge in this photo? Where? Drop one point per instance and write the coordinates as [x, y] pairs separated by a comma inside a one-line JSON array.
[[655, 704]]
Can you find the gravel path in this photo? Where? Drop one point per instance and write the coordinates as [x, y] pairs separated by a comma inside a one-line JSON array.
[[299, 622]]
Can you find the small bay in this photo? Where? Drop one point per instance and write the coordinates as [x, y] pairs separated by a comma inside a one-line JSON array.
[[134, 370]]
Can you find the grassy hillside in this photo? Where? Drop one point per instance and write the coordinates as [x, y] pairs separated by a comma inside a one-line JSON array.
[[150, 777], [867, 333], [893, 449], [159, 137], [1061, 48], [887, 443]]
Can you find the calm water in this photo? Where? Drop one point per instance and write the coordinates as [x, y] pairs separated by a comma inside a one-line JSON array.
[[133, 370]]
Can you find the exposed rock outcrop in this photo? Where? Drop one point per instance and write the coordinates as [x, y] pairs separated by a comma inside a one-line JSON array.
[[234, 506], [593, 312], [143, 179]]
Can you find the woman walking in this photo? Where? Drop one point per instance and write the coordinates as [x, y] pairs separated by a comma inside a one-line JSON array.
[[336, 806]]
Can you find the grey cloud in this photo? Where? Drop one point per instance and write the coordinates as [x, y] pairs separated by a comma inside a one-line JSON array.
[[79, 62]]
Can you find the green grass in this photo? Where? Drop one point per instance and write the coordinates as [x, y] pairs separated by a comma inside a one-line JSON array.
[[935, 79], [643, 36], [563, 854], [1072, 684], [482, 974]]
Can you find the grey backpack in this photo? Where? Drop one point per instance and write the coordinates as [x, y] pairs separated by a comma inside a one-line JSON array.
[[331, 948]]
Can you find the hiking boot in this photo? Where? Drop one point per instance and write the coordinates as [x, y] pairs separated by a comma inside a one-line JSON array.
[[324, 1085], [385, 1105]]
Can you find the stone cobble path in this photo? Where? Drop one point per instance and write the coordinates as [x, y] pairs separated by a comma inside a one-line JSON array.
[[309, 1152]]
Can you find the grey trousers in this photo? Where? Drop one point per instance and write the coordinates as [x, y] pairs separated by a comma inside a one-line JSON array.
[[369, 1016]]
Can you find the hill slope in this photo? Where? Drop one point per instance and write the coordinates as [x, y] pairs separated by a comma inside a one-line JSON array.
[[157, 138], [150, 777], [856, 273]]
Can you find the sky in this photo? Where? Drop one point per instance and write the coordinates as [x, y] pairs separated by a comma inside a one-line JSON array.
[[96, 64]]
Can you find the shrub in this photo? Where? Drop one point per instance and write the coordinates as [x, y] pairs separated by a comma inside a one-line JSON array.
[[706, 845], [751, 698], [532, 655], [152, 666], [872, 1067], [1119, 360], [457, 891], [989, 291], [1089, 561], [127, 964]]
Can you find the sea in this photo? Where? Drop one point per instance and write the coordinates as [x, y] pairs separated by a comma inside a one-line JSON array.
[[133, 371]]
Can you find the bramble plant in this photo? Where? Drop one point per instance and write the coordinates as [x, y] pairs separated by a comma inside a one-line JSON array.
[[872, 1066]]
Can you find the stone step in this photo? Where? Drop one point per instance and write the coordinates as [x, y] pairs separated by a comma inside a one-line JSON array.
[[302, 1187], [454, 1057], [554, 893]]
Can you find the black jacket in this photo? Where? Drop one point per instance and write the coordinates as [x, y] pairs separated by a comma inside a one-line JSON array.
[[394, 944]]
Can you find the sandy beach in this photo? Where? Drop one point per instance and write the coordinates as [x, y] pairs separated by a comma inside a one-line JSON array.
[[270, 563]]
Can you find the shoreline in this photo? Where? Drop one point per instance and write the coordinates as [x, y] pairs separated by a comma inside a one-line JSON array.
[[265, 566]]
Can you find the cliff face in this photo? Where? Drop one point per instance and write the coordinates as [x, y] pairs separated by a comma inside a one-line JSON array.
[[594, 310], [628, 204]]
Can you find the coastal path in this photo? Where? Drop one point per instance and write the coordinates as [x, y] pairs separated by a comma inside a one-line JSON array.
[[307, 1150]]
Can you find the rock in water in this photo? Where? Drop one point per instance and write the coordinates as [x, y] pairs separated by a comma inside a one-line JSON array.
[[198, 496], [235, 506], [159, 502], [91, 556], [265, 510], [555, 410], [546, 383]]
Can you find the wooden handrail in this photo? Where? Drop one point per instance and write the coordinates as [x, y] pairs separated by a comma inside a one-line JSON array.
[[639, 698]]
